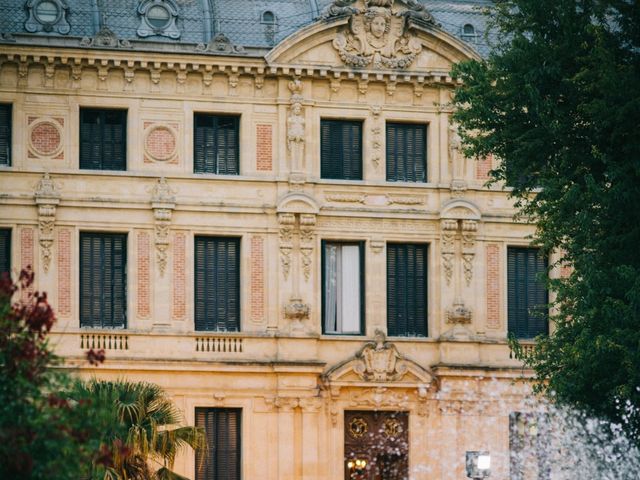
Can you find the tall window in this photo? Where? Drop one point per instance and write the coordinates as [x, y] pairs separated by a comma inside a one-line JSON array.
[[217, 284], [526, 292], [406, 152], [341, 149], [103, 139], [5, 134], [5, 250], [103, 280], [222, 457], [216, 144], [343, 292], [407, 290], [529, 446]]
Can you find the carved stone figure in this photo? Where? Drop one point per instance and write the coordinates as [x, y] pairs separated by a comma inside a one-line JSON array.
[[380, 37]]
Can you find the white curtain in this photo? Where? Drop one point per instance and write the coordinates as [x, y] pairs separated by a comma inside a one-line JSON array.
[[342, 288]]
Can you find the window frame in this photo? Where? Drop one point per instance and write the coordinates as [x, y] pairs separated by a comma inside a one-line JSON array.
[[424, 247], [395, 177], [82, 281], [5, 236], [201, 324], [512, 327], [216, 117], [329, 121], [201, 462], [362, 279], [85, 164], [8, 107]]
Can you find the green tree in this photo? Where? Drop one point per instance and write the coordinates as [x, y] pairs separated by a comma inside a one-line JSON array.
[[144, 431], [558, 102], [43, 434]]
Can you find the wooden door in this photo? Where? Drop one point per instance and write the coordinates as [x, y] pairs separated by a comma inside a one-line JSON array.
[[376, 445]]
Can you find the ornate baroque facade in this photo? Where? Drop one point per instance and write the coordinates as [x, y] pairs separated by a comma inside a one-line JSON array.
[[376, 64]]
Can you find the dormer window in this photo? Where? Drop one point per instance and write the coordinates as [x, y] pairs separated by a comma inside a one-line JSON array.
[[47, 16], [268, 17], [158, 17], [469, 32]]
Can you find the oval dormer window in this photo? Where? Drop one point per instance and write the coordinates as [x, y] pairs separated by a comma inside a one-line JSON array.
[[158, 17], [469, 30], [47, 12], [47, 16]]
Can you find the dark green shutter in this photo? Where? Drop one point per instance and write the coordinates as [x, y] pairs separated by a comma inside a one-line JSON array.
[[103, 139], [103, 280], [5, 250], [216, 144], [526, 292], [221, 459], [341, 149], [407, 290], [5, 134], [217, 284], [406, 152]]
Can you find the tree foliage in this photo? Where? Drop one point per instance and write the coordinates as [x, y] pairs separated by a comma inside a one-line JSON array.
[[558, 103], [144, 431], [43, 433]]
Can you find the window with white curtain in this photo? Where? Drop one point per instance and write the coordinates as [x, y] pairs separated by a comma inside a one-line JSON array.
[[342, 303]]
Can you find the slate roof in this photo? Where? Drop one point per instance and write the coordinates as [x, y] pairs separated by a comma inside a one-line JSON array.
[[198, 21]]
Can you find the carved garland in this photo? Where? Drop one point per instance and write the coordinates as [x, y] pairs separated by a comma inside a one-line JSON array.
[[163, 204], [47, 197]]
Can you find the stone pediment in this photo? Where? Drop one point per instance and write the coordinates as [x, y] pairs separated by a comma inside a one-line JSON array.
[[378, 35], [460, 210], [378, 363], [297, 202]]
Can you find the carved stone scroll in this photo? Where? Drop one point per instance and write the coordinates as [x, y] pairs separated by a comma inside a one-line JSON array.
[[449, 229], [287, 223], [469, 228], [47, 197], [307, 225]]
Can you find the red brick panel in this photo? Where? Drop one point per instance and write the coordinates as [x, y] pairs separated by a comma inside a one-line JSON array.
[[179, 310], [264, 147], [483, 166], [64, 272], [257, 279], [144, 280], [493, 286], [45, 138], [160, 143]]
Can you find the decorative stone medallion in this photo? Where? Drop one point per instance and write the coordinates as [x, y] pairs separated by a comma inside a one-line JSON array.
[[45, 137], [161, 143]]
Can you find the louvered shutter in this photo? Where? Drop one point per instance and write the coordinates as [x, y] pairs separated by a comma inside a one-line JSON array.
[[216, 144], [103, 139], [103, 282], [221, 460], [407, 290], [527, 296], [5, 250], [406, 152], [341, 149], [217, 284], [5, 134]]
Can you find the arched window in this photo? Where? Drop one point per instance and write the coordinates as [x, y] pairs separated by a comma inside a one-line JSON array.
[[268, 17], [469, 32]]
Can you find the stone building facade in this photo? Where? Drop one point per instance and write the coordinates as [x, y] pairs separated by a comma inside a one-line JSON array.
[[264, 209]]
